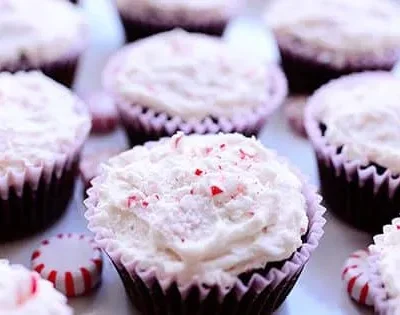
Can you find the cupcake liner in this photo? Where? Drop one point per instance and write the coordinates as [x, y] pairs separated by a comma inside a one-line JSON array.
[[35, 196], [256, 292], [306, 69], [364, 196], [382, 302], [143, 124], [62, 71], [137, 29]]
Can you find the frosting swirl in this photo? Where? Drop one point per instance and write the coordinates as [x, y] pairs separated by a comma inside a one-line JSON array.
[[40, 119], [197, 76], [209, 207], [23, 292], [387, 246], [39, 31], [361, 113], [339, 26]]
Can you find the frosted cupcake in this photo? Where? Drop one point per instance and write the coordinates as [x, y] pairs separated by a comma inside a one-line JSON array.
[[213, 222], [43, 127], [190, 82], [322, 40], [385, 276], [142, 18], [354, 126], [23, 292], [44, 35]]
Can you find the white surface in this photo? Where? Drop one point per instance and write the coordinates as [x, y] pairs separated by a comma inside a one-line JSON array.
[[319, 290]]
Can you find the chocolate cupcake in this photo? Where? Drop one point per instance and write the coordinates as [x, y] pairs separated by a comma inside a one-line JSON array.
[[354, 125], [190, 82], [384, 265], [205, 224], [325, 39], [44, 35], [24, 292], [143, 18], [43, 127]]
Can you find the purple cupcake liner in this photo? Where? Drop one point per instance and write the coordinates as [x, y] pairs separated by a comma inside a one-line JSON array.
[[305, 72], [137, 29], [256, 292], [62, 71], [365, 196], [34, 197], [143, 124], [381, 300], [28, 211]]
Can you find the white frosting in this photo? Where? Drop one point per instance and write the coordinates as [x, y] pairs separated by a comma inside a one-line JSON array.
[[39, 31], [348, 26], [196, 77], [362, 114], [208, 207], [23, 292], [40, 119], [180, 12], [387, 246]]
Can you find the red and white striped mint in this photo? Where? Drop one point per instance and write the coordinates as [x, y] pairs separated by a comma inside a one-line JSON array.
[[294, 110], [104, 113], [356, 276], [72, 262]]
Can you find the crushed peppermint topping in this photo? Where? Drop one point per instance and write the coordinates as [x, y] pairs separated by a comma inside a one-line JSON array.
[[198, 172], [131, 200], [243, 154], [215, 190], [145, 204]]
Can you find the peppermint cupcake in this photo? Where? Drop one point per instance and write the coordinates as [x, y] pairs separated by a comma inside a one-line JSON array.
[[354, 125], [322, 40], [190, 82], [204, 224], [143, 18], [44, 35], [385, 275], [43, 127], [24, 292]]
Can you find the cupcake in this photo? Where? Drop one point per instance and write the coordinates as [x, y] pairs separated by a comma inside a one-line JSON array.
[[24, 292], [43, 35], [204, 224], [143, 18], [43, 127], [190, 82], [325, 39], [385, 275], [354, 126]]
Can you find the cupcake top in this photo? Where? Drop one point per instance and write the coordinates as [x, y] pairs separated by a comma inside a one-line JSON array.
[[40, 120], [340, 26], [361, 113], [387, 246], [23, 292], [180, 12], [192, 76], [205, 207], [39, 31]]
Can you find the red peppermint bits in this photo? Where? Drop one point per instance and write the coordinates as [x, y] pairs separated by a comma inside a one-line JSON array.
[[34, 284], [177, 140], [398, 227], [131, 200], [198, 172], [222, 146], [215, 190], [192, 191], [145, 204], [244, 154], [208, 150]]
